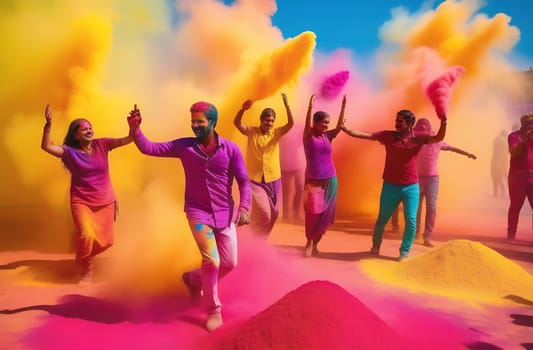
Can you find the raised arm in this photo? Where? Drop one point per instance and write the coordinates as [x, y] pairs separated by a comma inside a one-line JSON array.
[[157, 149], [308, 118], [238, 117], [460, 151], [290, 120], [340, 121], [358, 134], [354, 133], [46, 142], [122, 141], [441, 133]]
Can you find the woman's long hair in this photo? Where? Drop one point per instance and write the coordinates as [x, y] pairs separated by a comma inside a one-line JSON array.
[[70, 139]]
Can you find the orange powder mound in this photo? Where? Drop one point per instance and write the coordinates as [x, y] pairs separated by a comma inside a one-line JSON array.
[[317, 315], [459, 269]]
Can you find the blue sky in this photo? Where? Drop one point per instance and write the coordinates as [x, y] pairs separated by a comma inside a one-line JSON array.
[[355, 24]]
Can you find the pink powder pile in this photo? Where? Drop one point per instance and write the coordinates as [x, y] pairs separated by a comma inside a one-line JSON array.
[[317, 315]]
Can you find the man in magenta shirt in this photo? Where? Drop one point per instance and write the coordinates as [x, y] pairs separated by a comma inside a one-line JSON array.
[[520, 171], [210, 163]]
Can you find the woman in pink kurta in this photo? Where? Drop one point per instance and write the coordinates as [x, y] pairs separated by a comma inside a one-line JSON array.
[[92, 199]]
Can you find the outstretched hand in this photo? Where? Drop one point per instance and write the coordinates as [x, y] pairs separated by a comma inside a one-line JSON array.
[[311, 99], [48, 114], [285, 100], [134, 118], [247, 105], [343, 124], [243, 218]]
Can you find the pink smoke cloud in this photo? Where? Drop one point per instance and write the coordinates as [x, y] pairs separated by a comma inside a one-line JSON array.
[[439, 90], [332, 85]]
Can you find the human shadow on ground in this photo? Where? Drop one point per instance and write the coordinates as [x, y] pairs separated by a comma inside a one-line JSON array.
[[482, 346], [353, 227], [341, 256], [519, 300], [522, 320], [515, 254], [50, 271], [160, 309]]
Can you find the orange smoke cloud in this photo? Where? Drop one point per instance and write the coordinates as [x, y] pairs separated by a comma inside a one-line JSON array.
[[419, 48]]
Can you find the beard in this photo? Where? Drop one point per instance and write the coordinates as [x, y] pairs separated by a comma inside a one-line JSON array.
[[201, 132]]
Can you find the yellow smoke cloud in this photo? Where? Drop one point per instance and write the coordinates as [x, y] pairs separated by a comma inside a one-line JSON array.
[[97, 59], [283, 66]]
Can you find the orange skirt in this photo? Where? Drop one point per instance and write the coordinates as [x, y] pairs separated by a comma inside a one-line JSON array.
[[94, 226]]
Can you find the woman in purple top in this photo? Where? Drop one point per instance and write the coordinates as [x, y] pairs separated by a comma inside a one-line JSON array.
[[400, 179], [320, 192], [92, 198], [520, 172], [210, 163]]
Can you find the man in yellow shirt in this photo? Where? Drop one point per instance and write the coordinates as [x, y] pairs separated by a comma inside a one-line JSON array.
[[262, 161]]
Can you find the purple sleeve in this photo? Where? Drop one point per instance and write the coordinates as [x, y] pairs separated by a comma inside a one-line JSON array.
[[156, 149], [243, 181]]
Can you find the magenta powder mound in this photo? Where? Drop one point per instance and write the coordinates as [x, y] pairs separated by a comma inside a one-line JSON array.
[[317, 315]]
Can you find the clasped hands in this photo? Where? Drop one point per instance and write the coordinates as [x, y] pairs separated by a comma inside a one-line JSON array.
[[134, 118]]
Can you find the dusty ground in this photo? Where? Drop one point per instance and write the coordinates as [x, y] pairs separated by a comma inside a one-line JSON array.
[[42, 307]]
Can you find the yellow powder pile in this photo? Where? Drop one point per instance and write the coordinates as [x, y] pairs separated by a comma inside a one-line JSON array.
[[459, 269]]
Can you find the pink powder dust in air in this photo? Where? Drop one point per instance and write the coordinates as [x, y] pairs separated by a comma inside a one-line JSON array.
[[332, 85], [439, 90], [316, 315]]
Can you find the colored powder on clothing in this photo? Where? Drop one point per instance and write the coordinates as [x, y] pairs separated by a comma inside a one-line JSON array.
[[332, 85], [439, 90], [460, 269], [316, 315]]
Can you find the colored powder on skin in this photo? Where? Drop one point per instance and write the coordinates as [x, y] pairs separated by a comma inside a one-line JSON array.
[[317, 315], [460, 269], [332, 85]]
